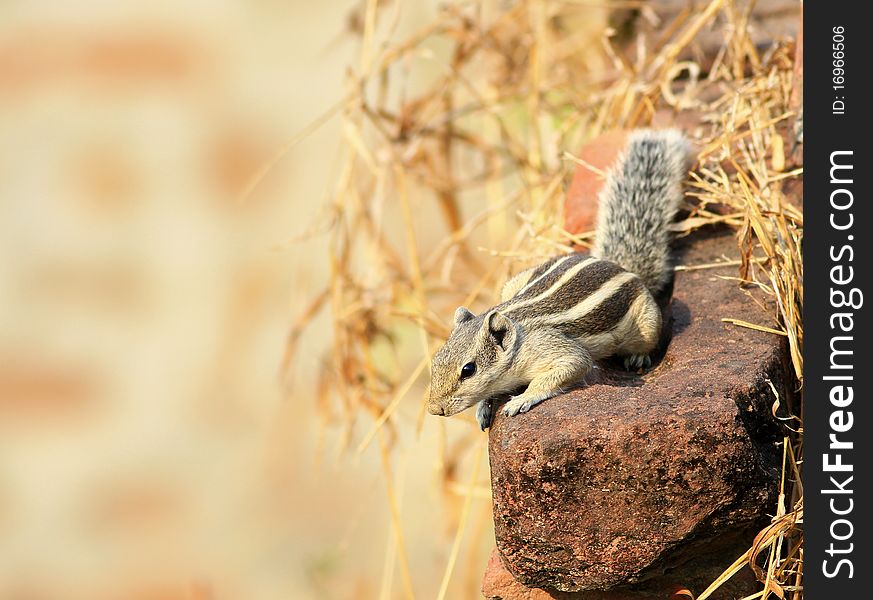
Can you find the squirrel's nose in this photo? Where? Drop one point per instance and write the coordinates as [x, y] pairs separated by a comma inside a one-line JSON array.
[[436, 409]]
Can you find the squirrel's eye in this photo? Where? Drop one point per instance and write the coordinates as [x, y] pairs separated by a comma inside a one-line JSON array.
[[467, 370]]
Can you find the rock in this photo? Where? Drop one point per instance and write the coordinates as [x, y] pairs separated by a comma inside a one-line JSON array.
[[499, 584], [580, 206], [651, 480]]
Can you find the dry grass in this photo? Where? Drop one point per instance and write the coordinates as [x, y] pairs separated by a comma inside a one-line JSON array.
[[449, 185]]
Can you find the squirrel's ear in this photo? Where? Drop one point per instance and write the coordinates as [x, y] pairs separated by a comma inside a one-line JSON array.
[[462, 315], [501, 329]]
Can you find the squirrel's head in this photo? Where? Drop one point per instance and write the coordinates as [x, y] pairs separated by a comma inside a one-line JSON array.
[[471, 365]]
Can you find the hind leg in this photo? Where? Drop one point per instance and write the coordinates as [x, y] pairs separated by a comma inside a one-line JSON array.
[[642, 329]]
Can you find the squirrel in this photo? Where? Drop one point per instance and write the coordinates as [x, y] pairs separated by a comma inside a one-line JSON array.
[[555, 319]]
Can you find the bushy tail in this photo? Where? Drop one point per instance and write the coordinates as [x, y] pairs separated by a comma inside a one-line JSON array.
[[639, 202]]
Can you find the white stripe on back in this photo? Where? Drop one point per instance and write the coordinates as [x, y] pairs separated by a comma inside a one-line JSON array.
[[571, 272], [574, 313], [530, 283]]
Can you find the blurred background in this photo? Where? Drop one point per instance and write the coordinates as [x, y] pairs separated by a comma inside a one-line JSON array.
[[149, 445]]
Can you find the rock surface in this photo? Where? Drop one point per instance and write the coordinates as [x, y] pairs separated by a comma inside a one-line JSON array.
[[654, 480], [580, 205], [499, 584]]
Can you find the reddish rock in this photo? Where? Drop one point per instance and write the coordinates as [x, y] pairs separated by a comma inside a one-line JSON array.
[[580, 207], [653, 480], [499, 584]]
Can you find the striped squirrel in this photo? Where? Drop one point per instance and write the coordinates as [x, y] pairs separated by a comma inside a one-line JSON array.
[[554, 320]]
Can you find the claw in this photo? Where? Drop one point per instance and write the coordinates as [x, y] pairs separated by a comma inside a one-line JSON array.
[[519, 404], [637, 361], [510, 409]]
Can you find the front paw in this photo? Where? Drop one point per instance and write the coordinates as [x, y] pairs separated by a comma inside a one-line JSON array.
[[518, 404], [484, 412]]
